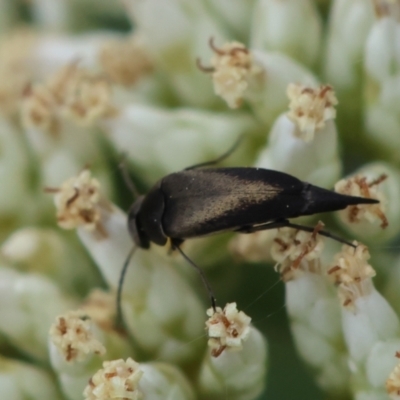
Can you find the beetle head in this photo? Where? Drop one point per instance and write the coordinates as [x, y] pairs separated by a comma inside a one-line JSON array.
[[138, 235]]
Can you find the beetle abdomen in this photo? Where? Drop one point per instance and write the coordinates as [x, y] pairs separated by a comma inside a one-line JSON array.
[[320, 200]]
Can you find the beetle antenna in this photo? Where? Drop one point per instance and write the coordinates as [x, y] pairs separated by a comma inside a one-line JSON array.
[[127, 179], [221, 157], [203, 277], [120, 317]]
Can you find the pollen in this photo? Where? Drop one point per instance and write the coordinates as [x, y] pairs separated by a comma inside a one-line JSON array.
[[79, 202], [117, 379], [231, 69], [227, 329], [358, 186], [297, 251], [310, 108], [73, 93], [352, 273], [125, 61], [73, 336]]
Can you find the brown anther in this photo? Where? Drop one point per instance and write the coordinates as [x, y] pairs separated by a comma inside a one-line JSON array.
[[225, 321], [62, 326], [69, 353], [316, 230], [346, 302], [324, 91], [87, 215], [307, 90], [353, 213], [364, 186], [214, 48], [333, 270], [382, 217], [298, 260], [73, 198], [397, 355], [217, 352], [378, 180], [201, 67], [284, 246]]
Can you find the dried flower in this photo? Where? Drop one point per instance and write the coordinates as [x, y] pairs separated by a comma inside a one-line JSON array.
[[227, 328], [79, 203], [358, 186], [352, 273], [72, 335], [232, 68], [290, 248], [311, 108], [116, 380], [72, 93], [125, 60]]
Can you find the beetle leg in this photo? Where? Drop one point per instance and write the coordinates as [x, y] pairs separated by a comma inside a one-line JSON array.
[[175, 243], [263, 227], [120, 322], [287, 224]]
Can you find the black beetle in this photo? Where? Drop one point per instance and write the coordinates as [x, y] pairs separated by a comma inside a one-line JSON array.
[[200, 201]]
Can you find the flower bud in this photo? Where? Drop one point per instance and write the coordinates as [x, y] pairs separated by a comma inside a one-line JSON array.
[[307, 132], [292, 27], [236, 364], [23, 381]]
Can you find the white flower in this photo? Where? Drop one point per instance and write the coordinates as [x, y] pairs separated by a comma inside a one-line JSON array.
[[227, 328], [358, 185], [231, 69], [296, 250], [73, 337], [79, 203], [311, 108], [116, 380]]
